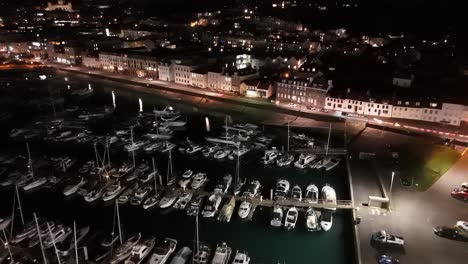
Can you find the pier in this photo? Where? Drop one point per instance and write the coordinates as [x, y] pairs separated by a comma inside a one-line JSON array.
[[321, 150]]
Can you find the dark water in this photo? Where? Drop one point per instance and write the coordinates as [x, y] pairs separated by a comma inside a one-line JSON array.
[[264, 243]]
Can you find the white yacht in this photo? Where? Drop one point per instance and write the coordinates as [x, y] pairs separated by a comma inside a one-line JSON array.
[[198, 180], [312, 222], [282, 189], [223, 184], [185, 179], [113, 190], [285, 160], [152, 147], [212, 205], [195, 205], [244, 209], [127, 194], [241, 258], [296, 193], [291, 218], [123, 170], [151, 201], [36, 183], [304, 160], [169, 198], [202, 256], [168, 146], [168, 111], [95, 193], [74, 186], [277, 217], [182, 256], [242, 151], [329, 196], [135, 145], [192, 149], [222, 153], [140, 251], [163, 251], [183, 200], [312, 193], [331, 164], [222, 254], [58, 235], [141, 194], [326, 220], [270, 156], [125, 249]]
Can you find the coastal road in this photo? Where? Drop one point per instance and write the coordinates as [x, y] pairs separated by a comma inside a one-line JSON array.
[[413, 214]]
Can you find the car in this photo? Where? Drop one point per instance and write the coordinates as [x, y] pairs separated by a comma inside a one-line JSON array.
[[449, 233], [460, 193], [384, 259], [383, 237]]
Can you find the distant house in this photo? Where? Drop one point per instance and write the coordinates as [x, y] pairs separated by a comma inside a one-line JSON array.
[[404, 80], [258, 88]]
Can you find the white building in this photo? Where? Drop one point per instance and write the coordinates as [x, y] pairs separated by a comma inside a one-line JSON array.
[[60, 6], [199, 79], [141, 66], [182, 73], [91, 62], [166, 72], [219, 81], [302, 92]]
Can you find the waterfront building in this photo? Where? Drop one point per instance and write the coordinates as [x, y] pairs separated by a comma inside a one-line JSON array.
[[199, 78], [166, 71], [182, 73], [257, 88], [229, 81], [299, 91], [68, 55], [135, 64], [60, 5]]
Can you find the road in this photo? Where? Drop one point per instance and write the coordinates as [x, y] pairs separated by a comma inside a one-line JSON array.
[[413, 214]]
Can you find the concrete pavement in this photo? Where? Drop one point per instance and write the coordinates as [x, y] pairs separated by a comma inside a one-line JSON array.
[[413, 213]]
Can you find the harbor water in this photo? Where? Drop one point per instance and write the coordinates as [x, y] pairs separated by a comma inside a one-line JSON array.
[[264, 243]]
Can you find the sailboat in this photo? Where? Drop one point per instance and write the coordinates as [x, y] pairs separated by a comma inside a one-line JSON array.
[[238, 184], [153, 199], [35, 182]]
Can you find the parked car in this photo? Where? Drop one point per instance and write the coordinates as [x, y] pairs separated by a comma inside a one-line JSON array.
[[383, 237], [384, 259], [449, 233], [460, 193]]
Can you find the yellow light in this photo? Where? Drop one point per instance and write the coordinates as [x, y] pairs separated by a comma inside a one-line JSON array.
[[193, 24]]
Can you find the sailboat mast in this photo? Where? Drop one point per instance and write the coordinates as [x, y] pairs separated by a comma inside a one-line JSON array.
[[198, 238], [40, 239], [13, 212], [154, 176], [237, 166], [53, 242], [19, 204], [328, 142], [8, 247], [133, 151], [118, 221], [29, 160], [76, 243], [108, 151], [288, 138]]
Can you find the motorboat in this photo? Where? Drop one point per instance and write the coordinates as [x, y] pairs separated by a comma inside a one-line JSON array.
[[212, 205], [36, 183], [140, 251], [95, 193], [277, 217], [195, 205], [113, 190], [202, 255], [74, 186], [252, 189], [241, 258], [140, 194], [151, 201], [238, 187], [168, 111], [169, 198], [270, 156], [331, 164], [109, 240], [264, 140], [302, 137], [462, 226], [244, 209], [168, 146], [143, 167], [29, 231], [312, 222], [223, 184], [136, 145], [321, 163], [24, 180], [291, 218], [146, 177], [154, 146], [198, 181], [182, 256], [326, 220], [208, 151], [125, 249], [285, 160], [183, 200], [222, 254], [123, 170], [67, 245], [129, 193], [228, 209], [304, 160], [174, 123], [56, 236], [241, 152], [193, 149], [170, 119], [296, 193], [282, 189], [185, 179], [329, 196], [222, 153], [312, 193], [163, 251]]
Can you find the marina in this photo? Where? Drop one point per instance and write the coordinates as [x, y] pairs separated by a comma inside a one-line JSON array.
[[124, 167]]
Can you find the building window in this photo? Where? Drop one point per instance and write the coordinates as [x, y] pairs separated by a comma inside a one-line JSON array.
[[433, 104]]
